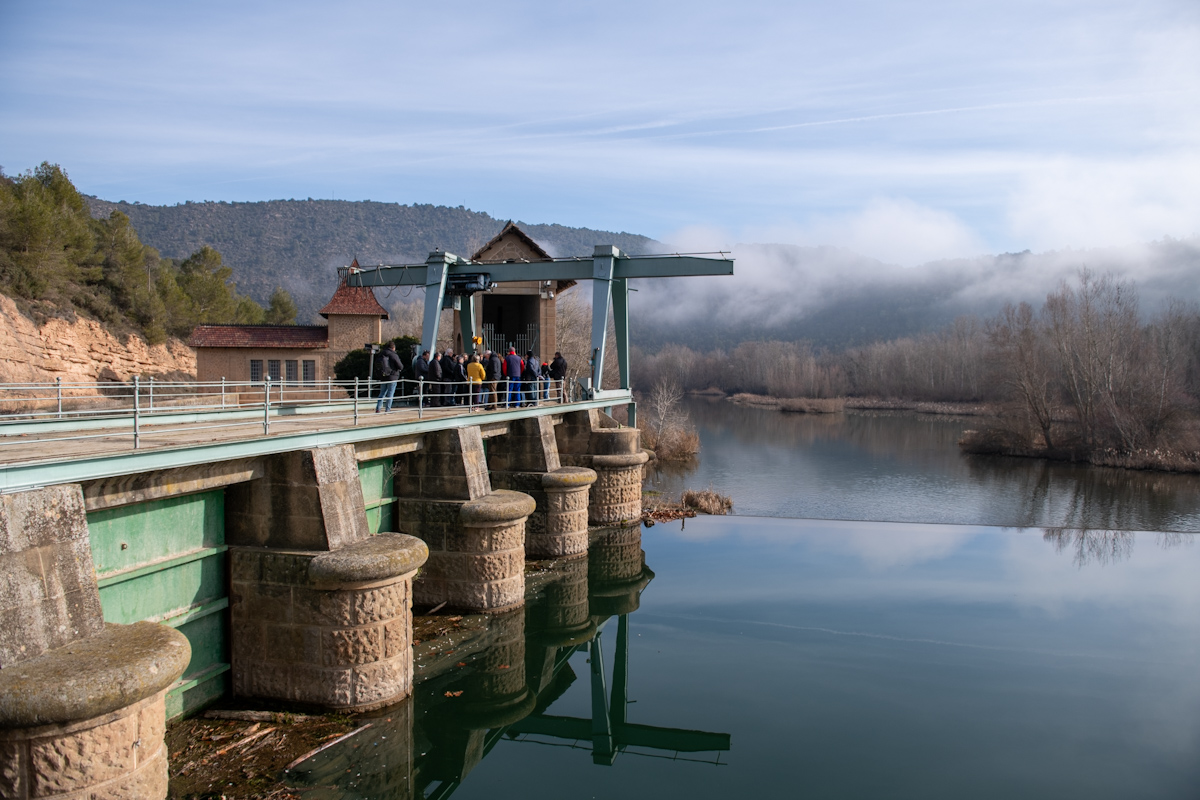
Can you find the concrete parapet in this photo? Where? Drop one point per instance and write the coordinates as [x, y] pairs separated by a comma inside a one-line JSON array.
[[332, 630], [82, 704]]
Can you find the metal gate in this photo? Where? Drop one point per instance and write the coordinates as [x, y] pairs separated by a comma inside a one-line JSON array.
[[164, 561]]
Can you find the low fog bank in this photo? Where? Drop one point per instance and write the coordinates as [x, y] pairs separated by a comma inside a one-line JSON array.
[[836, 298]]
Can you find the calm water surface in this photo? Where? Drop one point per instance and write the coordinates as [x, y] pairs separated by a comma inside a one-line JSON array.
[[815, 658], [907, 467]]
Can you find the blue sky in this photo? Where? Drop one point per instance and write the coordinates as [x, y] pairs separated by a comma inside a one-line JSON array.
[[906, 131]]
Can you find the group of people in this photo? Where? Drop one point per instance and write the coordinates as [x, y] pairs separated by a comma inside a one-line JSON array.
[[487, 380]]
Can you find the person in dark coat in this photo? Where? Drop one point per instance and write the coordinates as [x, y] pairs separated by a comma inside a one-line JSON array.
[[497, 373], [529, 376], [513, 367], [558, 374], [435, 380], [490, 370], [390, 367], [421, 372]]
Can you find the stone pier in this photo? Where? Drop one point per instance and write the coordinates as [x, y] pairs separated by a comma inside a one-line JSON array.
[[476, 536], [82, 711], [320, 609], [526, 460], [593, 439]]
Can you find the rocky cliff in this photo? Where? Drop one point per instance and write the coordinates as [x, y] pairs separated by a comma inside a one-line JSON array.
[[82, 350]]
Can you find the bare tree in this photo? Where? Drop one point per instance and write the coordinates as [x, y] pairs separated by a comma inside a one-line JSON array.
[[1024, 362]]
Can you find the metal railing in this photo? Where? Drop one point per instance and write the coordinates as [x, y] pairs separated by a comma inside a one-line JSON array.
[[104, 410]]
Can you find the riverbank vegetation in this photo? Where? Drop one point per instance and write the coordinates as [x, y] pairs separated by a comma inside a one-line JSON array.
[[57, 261], [1085, 377], [665, 426]]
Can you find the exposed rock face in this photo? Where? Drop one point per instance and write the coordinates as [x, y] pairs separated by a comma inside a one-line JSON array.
[[80, 350]]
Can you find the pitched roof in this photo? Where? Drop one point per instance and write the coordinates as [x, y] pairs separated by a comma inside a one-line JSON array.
[[298, 336], [510, 228], [359, 300], [511, 232]]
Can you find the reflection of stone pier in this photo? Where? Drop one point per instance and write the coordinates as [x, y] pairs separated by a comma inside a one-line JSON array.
[[617, 571]]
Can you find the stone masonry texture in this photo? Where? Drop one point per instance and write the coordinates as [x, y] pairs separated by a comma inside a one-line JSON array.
[[48, 594], [119, 756], [305, 500], [347, 647]]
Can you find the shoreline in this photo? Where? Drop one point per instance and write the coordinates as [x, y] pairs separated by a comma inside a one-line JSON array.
[[986, 443], [835, 405]]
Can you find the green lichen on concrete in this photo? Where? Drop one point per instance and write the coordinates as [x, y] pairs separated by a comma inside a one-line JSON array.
[[91, 677], [382, 556], [498, 507]]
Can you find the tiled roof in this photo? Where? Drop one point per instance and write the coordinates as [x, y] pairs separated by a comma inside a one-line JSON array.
[[298, 336], [353, 300]]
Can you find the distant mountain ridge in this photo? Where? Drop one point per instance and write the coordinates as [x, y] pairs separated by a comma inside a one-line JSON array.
[[298, 244]]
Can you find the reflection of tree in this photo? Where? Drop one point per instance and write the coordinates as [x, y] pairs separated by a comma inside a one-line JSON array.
[[1091, 546], [1034, 491]]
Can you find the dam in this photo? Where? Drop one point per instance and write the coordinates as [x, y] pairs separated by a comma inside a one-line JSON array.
[[163, 547]]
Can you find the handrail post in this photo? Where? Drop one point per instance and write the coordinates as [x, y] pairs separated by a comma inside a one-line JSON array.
[[151, 394], [58, 385], [328, 389], [267, 406], [356, 402], [420, 397], [137, 411], [222, 392]]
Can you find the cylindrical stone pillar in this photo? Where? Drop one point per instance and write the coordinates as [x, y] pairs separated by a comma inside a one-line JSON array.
[[87, 720], [483, 567], [618, 459], [331, 630], [566, 532]]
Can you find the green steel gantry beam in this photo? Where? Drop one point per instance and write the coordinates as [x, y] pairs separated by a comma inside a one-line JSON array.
[[608, 268]]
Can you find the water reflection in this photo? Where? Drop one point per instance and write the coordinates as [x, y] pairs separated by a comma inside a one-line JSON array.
[[508, 677], [899, 467]]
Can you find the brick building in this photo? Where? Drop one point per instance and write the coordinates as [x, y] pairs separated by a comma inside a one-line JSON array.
[[521, 313], [295, 354]]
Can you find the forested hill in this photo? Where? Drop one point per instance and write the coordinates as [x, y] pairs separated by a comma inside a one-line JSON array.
[[297, 244]]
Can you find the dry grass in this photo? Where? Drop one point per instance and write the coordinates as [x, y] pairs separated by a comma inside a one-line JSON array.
[[745, 398], [923, 406], [813, 405], [673, 444], [796, 405], [706, 501]]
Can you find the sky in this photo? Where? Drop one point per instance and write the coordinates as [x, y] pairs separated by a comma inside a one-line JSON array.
[[904, 131]]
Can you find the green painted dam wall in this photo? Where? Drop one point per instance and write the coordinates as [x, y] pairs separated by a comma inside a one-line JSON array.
[[164, 561]]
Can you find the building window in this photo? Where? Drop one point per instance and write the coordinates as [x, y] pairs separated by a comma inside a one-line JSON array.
[[291, 371], [310, 371], [273, 369], [256, 374]]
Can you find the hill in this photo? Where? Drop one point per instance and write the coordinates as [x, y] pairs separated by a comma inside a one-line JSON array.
[[297, 244]]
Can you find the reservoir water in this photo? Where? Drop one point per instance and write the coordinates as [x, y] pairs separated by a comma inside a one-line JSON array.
[[903, 467], [953, 628]]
